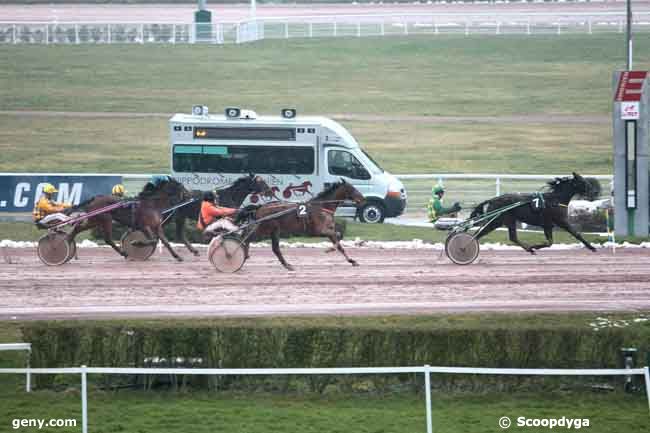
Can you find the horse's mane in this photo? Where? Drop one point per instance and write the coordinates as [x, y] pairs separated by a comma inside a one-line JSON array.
[[556, 183], [328, 190], [150, 188]]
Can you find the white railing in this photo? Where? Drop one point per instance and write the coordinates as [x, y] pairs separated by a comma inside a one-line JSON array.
[[27, 347], [535, 23], [426, 370]]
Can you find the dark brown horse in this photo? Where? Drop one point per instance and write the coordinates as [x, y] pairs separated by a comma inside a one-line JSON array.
[[312, 218], [232, 196], [545, 210], [144, 213]]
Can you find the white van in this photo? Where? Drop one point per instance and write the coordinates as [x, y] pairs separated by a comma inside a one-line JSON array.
[[297, 156]]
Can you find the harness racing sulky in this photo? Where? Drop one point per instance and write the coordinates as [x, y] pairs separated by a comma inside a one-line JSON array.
[[228, 251], [543, 209]]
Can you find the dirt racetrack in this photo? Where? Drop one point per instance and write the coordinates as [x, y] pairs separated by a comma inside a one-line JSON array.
[[389, 281]]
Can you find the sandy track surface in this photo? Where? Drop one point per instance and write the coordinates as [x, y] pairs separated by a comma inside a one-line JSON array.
[[101, 284]]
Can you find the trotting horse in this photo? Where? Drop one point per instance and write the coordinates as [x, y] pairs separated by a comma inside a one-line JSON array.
[[312, 218], [545, 210], [144, 214], [232, 196]]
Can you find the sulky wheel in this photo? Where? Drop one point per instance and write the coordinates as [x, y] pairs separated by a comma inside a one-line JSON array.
[[73, 250], [138, 246], [53, 248], [462, 248], [227, 253]]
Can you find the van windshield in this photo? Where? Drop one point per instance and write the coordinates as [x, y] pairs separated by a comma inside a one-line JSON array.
[[376, 167]]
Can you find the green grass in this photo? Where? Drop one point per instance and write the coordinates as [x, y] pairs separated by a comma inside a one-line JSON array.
[[450, 76], [412, 75], [10, 332], [161, 412], [120, 145]]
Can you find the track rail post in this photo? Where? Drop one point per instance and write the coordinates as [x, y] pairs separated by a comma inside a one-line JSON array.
[[427, 393], [646, 374], [84, 400]]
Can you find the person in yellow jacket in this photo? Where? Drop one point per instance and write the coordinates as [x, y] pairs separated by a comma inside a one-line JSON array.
[[46, 210], [118, 191], [435, 209]]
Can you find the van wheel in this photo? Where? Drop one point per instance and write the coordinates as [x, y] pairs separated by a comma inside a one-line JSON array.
[[372, 213]]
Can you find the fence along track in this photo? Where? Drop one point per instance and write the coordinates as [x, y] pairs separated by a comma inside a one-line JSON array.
[[321, 27], [426, 370]]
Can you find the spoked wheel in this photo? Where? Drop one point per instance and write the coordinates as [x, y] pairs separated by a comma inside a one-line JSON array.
[[138, 246], [462, 248], [227, 253], [73, 250], [53, 248]]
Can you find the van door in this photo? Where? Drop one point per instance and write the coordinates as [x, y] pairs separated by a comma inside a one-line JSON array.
[[341, 163]]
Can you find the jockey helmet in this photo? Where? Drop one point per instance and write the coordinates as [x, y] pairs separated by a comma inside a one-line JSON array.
[[48, 188], [118, 190]]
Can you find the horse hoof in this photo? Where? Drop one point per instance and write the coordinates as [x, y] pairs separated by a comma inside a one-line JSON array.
[[180, 259], [532, 252], [196, 253], [355, 264], [290, 268]]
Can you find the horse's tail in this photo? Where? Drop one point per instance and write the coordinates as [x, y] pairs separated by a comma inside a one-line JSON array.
[[479, 209]]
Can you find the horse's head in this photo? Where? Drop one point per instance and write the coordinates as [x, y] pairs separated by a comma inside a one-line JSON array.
[[350, 193], [251, 184], [588, 188], [570, 186]]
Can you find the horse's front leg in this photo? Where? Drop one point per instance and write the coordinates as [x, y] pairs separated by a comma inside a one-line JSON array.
[[275, 246], [337, 243], [180, 235], [566, 226], [161, 235]]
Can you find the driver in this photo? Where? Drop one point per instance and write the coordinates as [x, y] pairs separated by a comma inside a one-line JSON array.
[[435, 209], [213, 217], [47, 210]]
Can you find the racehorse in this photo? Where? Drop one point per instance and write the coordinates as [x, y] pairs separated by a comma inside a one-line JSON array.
[[312, 218], [143, 214], [232, 196], [545, 210]]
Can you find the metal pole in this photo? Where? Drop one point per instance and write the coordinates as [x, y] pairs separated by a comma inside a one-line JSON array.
[[498, 186], [646, 373], [427, 393], [629, 35], [28, 378], [253, 9], [84, 401]]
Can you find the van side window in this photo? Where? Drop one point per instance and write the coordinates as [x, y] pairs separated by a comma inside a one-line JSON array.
[[243, 159], [343, 163]]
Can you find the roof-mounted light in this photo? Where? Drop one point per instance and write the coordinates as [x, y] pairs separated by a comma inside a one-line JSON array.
[[233, 113], [289, 113], [199, 110]]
